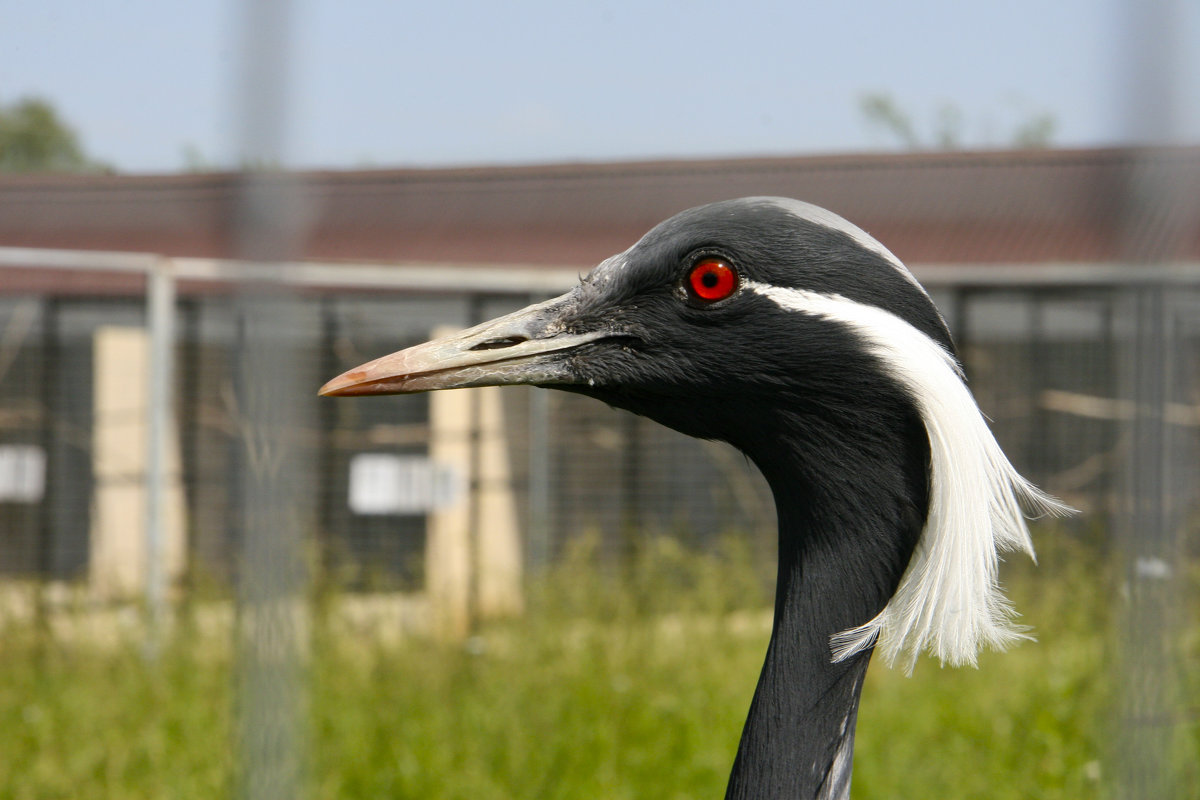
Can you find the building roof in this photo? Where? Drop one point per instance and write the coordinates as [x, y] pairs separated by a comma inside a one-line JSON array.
[[928, 208]]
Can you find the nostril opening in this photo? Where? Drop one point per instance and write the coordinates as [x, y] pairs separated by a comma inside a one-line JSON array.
[[502, 342]]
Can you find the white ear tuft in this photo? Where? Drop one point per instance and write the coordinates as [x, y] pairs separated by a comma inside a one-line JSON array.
[[949, 601]]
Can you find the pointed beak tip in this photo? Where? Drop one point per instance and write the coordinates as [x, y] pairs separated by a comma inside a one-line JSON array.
[[340, 385]]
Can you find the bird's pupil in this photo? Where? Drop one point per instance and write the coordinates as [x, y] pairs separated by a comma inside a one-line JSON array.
[[709, 279]]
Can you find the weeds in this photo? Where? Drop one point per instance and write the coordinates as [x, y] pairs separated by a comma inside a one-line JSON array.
[[622, 683]]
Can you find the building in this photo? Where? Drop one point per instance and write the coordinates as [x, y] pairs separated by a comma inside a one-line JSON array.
[[1029, 253]]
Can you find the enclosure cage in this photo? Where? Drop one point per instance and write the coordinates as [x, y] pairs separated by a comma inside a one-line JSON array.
[[165, 461]]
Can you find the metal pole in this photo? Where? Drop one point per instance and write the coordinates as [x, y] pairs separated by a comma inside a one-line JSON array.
[[49, 436], [1152, 231], [160, 317], [539, 478], [538, 546], [273, 404], [475, 316], [1149, 548]]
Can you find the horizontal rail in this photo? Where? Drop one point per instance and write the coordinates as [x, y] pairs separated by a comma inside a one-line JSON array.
[[523, 279], [431, 276], [1058, 274], [79, 260], [439, 277]]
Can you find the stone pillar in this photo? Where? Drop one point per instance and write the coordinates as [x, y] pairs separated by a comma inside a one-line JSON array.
[[466, 566], [117, 564]]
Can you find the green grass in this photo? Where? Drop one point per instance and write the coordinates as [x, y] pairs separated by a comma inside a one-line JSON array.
[[98, 721], [617, 685]]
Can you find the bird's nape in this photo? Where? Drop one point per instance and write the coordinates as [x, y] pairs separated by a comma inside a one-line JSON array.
[[790, 333]]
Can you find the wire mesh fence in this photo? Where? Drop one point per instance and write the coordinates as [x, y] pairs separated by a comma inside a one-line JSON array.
[[455, 499], [162, 451], [161, 445], [1048, 363]]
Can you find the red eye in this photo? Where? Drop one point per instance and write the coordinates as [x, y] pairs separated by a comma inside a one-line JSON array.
[[712, 280]]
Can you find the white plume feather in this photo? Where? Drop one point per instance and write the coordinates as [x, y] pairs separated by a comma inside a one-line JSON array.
[[949, 601]]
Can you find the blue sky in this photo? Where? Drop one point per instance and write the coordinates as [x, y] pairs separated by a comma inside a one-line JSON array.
[[375, 83]]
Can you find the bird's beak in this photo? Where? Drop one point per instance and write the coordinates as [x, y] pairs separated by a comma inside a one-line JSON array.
[[527, 346]]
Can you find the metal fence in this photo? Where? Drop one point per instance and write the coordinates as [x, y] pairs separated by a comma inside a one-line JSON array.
[[1046, 351], [132, 446]]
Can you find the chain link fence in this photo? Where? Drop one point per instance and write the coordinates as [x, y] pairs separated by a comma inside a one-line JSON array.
[[1048, 363], [454, 499]]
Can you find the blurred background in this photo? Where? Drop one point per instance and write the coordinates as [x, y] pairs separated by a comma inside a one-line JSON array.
[[213, 583]]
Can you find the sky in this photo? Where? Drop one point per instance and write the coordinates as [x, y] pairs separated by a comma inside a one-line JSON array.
[[154, 85]]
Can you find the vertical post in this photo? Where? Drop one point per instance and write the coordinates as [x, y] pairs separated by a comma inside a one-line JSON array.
[[1037, 447], [1106, 503], [48, 436], [475, 484], [448, 559], [1152, 231], [273, 406], [631, 534], [277, 505], [539, 478], [538, 541], [1150, 563], [160, 317], [190, 381], [327, 458]]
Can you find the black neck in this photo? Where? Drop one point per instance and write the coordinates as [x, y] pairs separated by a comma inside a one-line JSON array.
[[799, 734], [843, 547]]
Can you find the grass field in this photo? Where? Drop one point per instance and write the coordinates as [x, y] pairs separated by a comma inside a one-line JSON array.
[[610, 687]]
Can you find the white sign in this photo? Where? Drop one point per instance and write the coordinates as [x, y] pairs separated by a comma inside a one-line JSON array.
[[382, 483], [22, 473]]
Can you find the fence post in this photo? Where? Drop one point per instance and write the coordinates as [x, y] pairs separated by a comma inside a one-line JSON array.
[[275, 401], [539, 549], [160, 317]]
